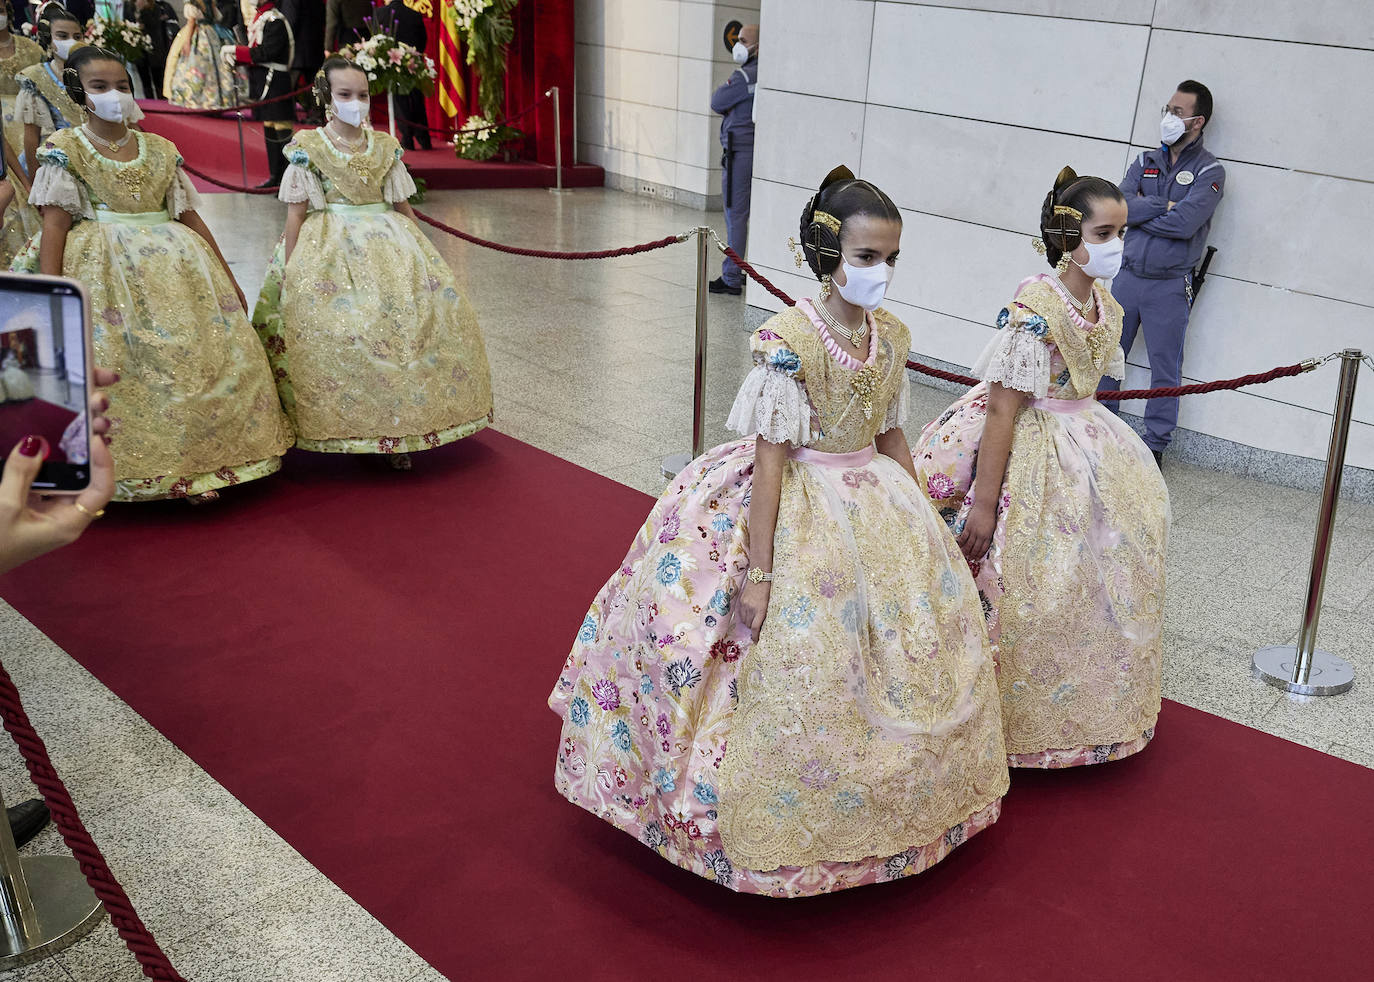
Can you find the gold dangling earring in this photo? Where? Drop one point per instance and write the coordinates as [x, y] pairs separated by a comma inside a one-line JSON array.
[[1062, 266], [825, 286]]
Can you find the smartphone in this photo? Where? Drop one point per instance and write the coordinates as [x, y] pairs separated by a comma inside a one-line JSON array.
[[45, 376]]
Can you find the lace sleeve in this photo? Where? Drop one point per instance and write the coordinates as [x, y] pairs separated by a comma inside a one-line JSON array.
[[900, 410], [52, 185], [397, 185], [300, 184], [1116, 365], [1019, 355], [182, 195], [30, 108], [774, 405]]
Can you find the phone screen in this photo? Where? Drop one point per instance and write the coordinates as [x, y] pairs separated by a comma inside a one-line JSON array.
[[43, 376]]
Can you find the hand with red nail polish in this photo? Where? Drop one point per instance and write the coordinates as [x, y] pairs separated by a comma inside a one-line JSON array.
[[31, 525]]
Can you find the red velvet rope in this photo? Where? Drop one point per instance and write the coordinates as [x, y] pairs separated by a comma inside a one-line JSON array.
[[64, 815], [224, 184], [551, 254], [1105, 395], [182, 111]]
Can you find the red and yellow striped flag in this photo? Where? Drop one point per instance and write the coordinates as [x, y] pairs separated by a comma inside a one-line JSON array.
[[451, 88]]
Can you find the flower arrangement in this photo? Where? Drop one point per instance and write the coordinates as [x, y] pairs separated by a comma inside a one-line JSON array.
[[482, 139], [392, 66], [125, 38], [486, 28]]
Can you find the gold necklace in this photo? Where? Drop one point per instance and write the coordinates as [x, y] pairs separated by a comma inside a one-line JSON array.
[[1080, 306], [344, 145], [854, 337], [115, 145]]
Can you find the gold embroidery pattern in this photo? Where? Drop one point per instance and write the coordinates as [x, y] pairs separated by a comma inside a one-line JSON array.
[[138, 185], [350, 178], [370, 339], [26, 53], [866, 719], [196, 395], [1080, 642], [1085, 353], [845, 399]]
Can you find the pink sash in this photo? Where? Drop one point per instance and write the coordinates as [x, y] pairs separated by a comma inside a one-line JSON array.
[[857, 458], [1062, 405]]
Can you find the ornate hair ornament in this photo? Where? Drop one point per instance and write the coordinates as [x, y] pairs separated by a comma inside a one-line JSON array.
[[828, 220]]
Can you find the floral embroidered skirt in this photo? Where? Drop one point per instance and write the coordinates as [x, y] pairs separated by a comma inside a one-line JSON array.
[[198, 80], [373, 347], [1073, 584], [21, 220], [862, 730], [195, 408]]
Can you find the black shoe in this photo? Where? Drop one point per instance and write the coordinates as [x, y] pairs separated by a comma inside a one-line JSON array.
[[1159, 458], [270, 184], [718, 285], [27, 819]]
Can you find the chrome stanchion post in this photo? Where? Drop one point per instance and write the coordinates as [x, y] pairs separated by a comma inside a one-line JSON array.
[[557, 142], [674, 463], [1305, 669], [46, 904]]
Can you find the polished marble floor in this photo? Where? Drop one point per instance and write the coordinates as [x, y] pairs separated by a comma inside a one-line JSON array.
[[592, 361]]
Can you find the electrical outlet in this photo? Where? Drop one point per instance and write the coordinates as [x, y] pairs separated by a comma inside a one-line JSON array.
[[648, 189]]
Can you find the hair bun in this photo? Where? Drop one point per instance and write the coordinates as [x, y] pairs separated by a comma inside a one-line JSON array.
[[1066, 177], [840, 173]]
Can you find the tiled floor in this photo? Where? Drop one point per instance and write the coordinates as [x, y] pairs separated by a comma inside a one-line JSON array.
[[592, 361]]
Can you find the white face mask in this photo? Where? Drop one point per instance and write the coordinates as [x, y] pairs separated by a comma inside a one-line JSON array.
[[740, 52], [864, 286], [1172, 127], [113, 106], [63, 47], [1104, 258], [350, 111]]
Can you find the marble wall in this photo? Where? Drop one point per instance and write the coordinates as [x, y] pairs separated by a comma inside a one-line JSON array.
[[964, 110], [645, 73]]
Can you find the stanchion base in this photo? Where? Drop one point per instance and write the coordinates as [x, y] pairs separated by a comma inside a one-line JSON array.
[[560, 190], [674, 463], [1330, 675], [67, 910]]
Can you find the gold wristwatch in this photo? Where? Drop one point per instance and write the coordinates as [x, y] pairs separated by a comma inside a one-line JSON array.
[[757, 575]]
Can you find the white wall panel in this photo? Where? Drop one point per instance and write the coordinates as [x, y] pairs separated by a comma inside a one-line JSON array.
[[1294, 229], [666, 56], [988, 173], [824, 49], [774, 216], [968, 271], [1320, 124], [1119, 11], [991, 66], [799, 138], [1341, 22], [1240, 328]]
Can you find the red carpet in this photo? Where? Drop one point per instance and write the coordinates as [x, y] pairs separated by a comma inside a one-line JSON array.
[[211, 144], [363, 658]]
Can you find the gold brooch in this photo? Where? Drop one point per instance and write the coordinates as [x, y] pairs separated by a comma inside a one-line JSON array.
[[864, 384]]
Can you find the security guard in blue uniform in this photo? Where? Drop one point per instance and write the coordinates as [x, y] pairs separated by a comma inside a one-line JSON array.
[[734, 101], [1171, 194]]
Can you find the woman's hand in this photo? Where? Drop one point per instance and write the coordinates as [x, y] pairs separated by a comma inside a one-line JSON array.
[[31, 525], [753, 606], [976, 538]]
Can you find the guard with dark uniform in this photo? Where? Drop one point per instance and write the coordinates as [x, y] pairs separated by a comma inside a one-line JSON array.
[[734, 101], [1171, 194], [270, 50]]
